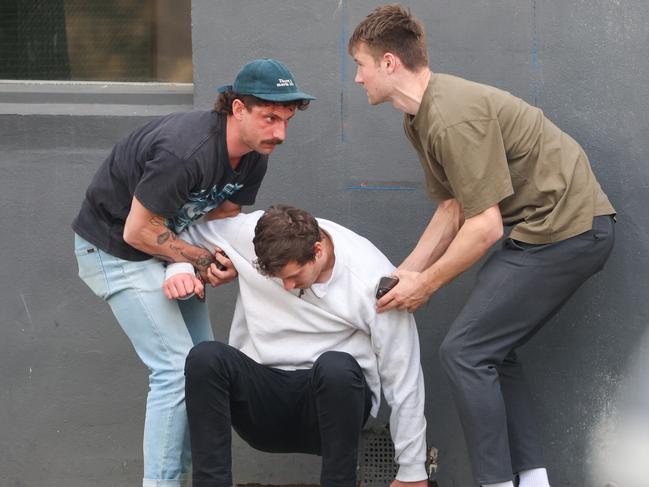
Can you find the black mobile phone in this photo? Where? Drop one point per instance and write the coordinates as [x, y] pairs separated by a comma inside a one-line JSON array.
[[385, 284], [220, 266]]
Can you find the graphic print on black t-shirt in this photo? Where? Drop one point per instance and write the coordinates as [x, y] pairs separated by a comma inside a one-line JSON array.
[[199, 203]]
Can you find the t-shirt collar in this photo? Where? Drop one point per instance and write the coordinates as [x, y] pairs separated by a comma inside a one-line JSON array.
[[320, 288], [419, 121]]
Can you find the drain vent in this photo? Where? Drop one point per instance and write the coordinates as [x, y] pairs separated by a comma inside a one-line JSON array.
[[376, 459]]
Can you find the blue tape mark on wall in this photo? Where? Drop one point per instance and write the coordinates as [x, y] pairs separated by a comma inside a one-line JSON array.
[[536, 67], [381, 188]]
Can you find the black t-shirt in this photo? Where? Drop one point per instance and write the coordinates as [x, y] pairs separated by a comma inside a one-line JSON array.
[[178, 167]]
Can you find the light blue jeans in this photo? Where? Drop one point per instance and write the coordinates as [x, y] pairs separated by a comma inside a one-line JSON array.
[[162, 333]]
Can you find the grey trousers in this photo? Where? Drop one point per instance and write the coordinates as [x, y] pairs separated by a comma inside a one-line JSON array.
[[519, 288]]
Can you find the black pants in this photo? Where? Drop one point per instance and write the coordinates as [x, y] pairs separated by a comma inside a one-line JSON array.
[[519, 289], [319, 411]]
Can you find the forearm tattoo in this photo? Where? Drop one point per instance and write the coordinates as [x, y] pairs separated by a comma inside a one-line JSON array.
[[201, 261], [164, 236], [157, 221]]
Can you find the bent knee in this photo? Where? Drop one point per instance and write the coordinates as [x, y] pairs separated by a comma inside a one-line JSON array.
[[204, 356], [459, 356], [337, 367], [333, 360], [450, 354]]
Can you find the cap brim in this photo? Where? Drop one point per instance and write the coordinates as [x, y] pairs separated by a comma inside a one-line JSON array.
[[281, 97]]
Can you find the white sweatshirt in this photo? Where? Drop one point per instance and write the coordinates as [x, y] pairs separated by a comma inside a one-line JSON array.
[[277, 328]]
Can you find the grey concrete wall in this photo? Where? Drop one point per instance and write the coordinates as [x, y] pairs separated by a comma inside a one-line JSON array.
[[71, 389]]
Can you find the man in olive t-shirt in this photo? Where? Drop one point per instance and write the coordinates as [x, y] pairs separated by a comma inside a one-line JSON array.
[[490, 160]]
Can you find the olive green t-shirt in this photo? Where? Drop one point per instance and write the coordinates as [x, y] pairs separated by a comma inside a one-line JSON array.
[[484, 146]]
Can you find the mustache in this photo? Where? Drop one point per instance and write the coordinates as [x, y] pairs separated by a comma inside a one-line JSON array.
[[272, 141]]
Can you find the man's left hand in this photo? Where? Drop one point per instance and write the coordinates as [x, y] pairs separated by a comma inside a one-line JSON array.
[[417, 483], [409, 294]]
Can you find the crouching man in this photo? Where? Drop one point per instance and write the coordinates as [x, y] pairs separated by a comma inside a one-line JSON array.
[[308, 353]]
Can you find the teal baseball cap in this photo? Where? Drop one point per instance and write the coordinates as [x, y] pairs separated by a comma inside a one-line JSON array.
[[267, 79]]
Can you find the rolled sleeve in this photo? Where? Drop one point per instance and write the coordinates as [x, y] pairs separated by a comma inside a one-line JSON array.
[[473, 156]]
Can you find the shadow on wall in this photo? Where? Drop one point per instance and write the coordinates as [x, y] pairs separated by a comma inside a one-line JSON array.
[[619, 444]]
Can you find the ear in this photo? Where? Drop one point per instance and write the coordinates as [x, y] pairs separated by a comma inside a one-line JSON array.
[[318, 249], [238, 108], [389, 62]]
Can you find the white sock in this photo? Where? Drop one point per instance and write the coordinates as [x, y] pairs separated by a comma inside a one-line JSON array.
[[536, 477], [509, 483]]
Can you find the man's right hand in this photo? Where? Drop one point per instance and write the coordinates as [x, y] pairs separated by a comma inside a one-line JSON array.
[[408, 295], [183, 286]]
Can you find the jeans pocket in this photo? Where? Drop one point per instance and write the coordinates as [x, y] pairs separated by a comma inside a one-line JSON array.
[[91, 268]]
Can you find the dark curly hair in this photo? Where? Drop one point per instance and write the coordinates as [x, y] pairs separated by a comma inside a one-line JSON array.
[[285, 234], [391, 28], [224, 101]]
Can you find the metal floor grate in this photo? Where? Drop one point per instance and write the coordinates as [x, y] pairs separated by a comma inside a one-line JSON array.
[[376, 466], [376, 459]]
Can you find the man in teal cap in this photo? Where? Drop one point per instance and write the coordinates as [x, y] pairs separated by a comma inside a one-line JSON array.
[[156, 182]]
